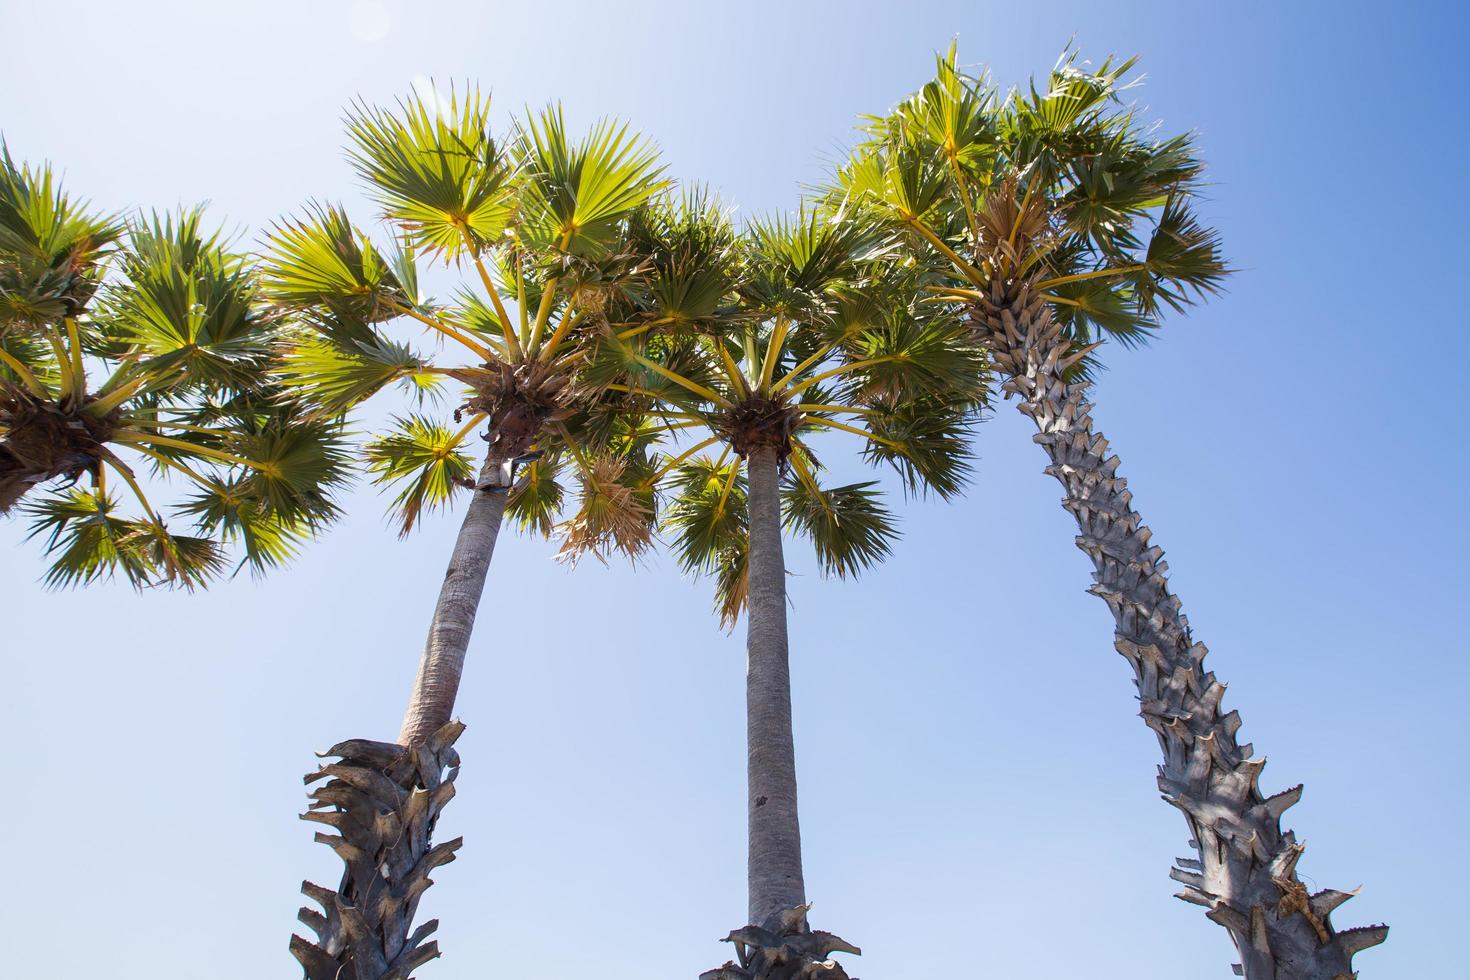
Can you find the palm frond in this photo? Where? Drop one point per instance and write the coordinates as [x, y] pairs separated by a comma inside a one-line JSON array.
[[436, 170], [52, 248], [187, 308], [848, 526], [322, 260], [578, 191], [707, 514], [535, 502], [334, 377], [87, 541], [612, 515], [423, 458], [927, 441], [227, 511]]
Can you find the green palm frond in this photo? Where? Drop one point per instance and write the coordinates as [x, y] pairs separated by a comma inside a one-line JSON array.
[[321, 260], [954, 112], [227, 510], [577, 192], [848, 526], [52, 248], [1094, 309], [707, 519], [901, 177], [927, 441], [436, 170], [86, 541], [187, 307], [535, 502], [915, 357], [1182, 261], [298, 462], [33, 355], [707, 512], [795, 260], [182, 560], [423, 458], [335, 378]]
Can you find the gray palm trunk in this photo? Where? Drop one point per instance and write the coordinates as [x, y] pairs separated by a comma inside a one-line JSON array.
[[432, 702], [385, 797], [777, 944], [1244, 869], [774, 863]]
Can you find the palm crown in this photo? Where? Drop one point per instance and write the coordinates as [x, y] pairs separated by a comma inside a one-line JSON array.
[[763, 340], [543, 221], [1060, 189], [182, 344]]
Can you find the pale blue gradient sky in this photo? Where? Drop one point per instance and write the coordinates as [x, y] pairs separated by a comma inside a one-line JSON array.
[[977, 793]]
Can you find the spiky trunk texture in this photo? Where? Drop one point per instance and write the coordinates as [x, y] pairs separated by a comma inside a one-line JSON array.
[[774, 865], [432, 702], [383, 799], [1245, 869], [777, 944]]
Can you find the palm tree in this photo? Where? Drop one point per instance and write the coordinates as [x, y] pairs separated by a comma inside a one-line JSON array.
[[184, 345], [813, 345], [1055, 221], [542, 220]]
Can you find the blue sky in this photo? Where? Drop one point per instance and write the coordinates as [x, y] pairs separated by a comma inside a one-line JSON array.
[[977, 791]]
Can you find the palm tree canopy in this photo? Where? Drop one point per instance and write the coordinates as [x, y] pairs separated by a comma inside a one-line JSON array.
[[544, 221], [801, 324], [169, 318], [1062, 187]]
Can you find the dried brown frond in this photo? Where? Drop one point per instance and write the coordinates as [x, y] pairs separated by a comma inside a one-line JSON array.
[[732, 587], [1012, 224], [611, 517]]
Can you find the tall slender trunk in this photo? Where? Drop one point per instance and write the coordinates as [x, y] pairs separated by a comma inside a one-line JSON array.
[[1244, 871], [384, 798], [777, 944], [432, 702], [774, 866]]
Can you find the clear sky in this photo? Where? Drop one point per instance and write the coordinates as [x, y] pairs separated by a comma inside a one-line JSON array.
[[978, 794]]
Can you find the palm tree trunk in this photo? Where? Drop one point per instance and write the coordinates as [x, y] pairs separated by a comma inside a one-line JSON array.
[[384, 798], [774, 868], [1244, 871], [777, 944], [434, 690]]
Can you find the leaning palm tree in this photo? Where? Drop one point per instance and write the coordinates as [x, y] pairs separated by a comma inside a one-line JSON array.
[[1055, 221], [182, 344], [812, 344], [542, 220]]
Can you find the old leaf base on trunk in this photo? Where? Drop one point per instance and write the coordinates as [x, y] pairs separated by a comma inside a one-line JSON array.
[[383, 800], [1244, 871], [783, 947], [44, 440]]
